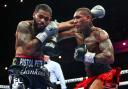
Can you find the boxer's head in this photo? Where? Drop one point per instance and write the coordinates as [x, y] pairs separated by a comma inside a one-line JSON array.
[[42, 15], [82, 18]]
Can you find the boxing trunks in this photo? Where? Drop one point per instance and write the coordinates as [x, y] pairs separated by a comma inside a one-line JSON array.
[[110, 79], [28, 73]]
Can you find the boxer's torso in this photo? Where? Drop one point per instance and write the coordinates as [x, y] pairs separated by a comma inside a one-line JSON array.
[[92, 42], [29, 33]]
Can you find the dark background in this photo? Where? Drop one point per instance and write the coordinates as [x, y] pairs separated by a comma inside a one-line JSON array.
[[114, 22]]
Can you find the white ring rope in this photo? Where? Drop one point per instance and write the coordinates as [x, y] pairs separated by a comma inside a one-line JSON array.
[[77, 80], [81, 79]]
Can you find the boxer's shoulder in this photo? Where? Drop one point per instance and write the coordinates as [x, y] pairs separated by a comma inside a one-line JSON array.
[[25, 23], [100, 33]]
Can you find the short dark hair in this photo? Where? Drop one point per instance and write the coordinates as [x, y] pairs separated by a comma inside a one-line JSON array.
[[85, 11], [44, 7]]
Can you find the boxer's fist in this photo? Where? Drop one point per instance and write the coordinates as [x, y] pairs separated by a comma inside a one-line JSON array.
[[80, 52], [49, 31]]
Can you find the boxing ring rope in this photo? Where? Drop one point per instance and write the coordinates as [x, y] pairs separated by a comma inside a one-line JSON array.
[[73, 80], [81, 79]]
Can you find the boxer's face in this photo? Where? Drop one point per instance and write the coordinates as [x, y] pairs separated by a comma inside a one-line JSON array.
[[42, 18], [81, 21]]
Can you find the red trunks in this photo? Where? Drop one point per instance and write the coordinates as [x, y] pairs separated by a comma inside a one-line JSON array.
[[109, 79]]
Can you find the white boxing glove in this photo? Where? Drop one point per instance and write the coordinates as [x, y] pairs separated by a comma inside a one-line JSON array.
[[98, 11], [49, 31]]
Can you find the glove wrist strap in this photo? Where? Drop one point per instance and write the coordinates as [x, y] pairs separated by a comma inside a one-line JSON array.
[[89, 57], [42, 36]]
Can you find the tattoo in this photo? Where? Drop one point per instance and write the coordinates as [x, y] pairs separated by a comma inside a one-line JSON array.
[[105, 44], [107, 54], [23, 32], [23, 27]]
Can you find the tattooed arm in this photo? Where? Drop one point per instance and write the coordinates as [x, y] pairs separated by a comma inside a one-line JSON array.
[[25, 43], [107, 54]]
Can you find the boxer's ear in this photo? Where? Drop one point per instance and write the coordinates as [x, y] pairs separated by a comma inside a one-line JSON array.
[[33, 15]]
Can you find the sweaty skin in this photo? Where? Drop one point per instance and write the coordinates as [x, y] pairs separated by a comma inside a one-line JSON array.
[[96, 39], [26, 42]]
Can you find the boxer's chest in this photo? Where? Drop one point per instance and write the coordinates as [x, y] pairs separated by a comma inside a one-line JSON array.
[[92, 44]]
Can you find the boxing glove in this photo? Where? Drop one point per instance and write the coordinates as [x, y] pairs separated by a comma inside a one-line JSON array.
[[98, 11], [51, 47], [48, 31], [80, 52]]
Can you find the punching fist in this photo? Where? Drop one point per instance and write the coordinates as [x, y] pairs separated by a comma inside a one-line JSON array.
[[98, 11], [49, 31]]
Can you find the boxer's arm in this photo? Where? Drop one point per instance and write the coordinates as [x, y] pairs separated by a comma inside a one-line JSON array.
[[67, 34], [67, 25], [106, 54], [79, 38], [65, 30], [24, 37], [105, 45]]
